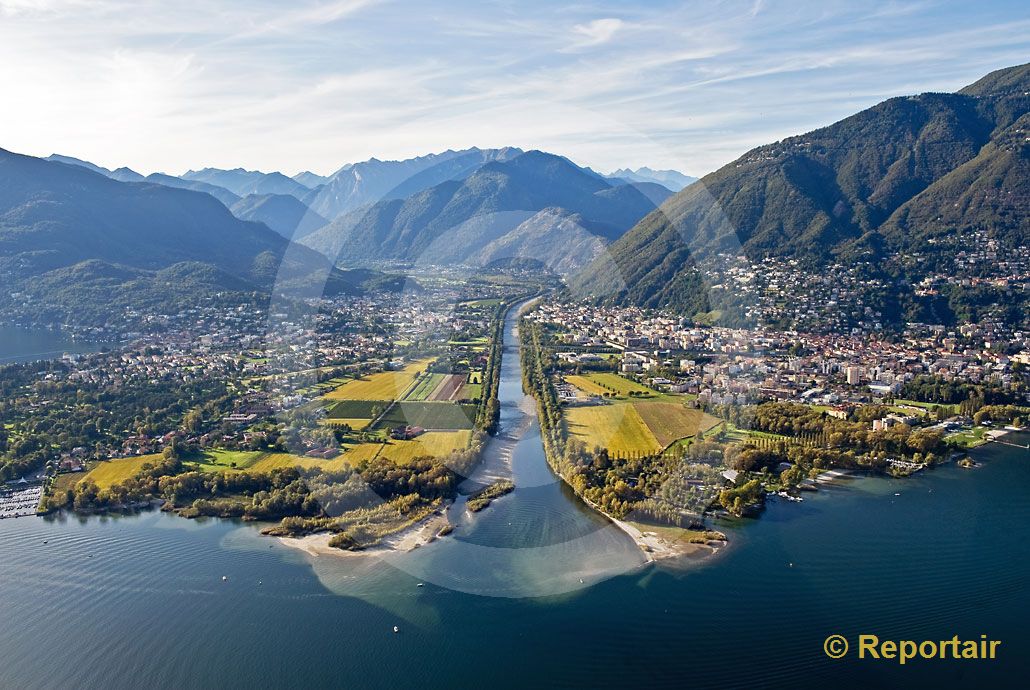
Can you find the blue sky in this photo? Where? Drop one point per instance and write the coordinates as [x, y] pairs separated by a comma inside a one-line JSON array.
[[313, 85]]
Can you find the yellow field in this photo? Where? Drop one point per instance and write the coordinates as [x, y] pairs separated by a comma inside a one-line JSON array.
[[362, 451], [618, 428], [669, 421], [274, 461], [434, 443], [386, 385], [110, 472], [594, 384]]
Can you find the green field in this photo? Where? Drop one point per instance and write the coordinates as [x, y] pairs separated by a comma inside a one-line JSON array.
[[470, 391], [425, 387], [969, 438], [355, 409], [949, 409], [429, 415]]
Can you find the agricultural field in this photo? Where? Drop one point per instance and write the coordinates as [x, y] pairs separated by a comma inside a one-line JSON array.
[[220, 460], [107, 473], [448, 388], [619, 428], [386, 385], [425, 387], [669, 421], [356, 409], [637, 426], [474, 345], [266, 462], [429, 415], [434, 443], [66, 482], [603, 383], [470, 391]]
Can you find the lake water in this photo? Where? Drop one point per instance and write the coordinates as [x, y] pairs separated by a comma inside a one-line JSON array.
[[30, 344], [119, 602]]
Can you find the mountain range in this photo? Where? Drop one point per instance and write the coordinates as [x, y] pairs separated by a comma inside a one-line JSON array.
[[934, 168], [76, 245], [670, 179], [246, 182], [360, 184], [469, 218], [80, 242]]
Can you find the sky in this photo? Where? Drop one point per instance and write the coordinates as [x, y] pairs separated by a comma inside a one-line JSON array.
[[312, 85]]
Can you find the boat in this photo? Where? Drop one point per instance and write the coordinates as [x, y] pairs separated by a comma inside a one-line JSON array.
[[225, 578], [396, 629], [420, 585]]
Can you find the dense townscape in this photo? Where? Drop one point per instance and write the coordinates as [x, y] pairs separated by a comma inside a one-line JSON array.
[[740, 365]]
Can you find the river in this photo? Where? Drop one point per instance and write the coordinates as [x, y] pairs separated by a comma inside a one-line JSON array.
[[119, 602]]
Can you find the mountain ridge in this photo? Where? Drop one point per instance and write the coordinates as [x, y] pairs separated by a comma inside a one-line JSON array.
[[854, 188], [453, 220]]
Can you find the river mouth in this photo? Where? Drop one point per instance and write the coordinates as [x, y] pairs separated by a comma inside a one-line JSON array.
[[539, 540]]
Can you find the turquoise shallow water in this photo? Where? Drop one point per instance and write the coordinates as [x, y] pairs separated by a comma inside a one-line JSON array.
[[119, 602]]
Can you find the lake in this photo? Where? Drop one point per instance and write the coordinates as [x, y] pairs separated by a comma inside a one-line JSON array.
[[29, 344], [119, 602]]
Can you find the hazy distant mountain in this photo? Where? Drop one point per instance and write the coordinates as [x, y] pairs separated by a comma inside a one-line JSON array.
[[358, 184], [556, 238], [220, 193], [285, 214], [457, 167], [310, 179], [120, 174], [656, 193], [670, 179], [458, 219], [920, 174], [243, 182], [71, 239]]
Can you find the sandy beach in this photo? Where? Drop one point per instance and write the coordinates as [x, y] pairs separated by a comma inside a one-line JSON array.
[[657, 547], [407, 539]]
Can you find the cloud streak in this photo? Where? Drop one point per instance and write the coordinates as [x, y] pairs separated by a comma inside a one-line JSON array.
[[171, 86]]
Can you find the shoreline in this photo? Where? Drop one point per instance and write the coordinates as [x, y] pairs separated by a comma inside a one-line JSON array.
[[657, 548], [409, 538]]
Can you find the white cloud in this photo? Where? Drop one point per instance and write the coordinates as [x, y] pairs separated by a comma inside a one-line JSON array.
[[594, 33]]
